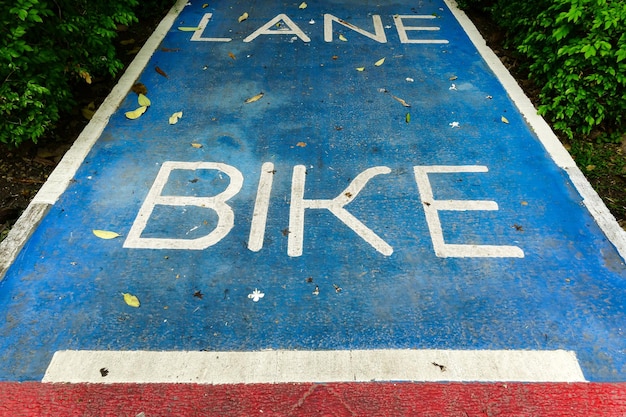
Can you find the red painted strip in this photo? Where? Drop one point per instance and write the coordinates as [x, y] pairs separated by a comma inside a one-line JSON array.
[[341, 399]]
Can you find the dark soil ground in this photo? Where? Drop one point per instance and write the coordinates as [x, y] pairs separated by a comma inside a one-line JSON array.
[[24, 170]]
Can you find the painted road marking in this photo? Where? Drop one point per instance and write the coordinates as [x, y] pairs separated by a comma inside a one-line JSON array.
[[335, 399], [271, 367], [498, 256]]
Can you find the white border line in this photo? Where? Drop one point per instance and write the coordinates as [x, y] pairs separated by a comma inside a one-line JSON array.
[[592, 201], [60, 178], [283, 366]]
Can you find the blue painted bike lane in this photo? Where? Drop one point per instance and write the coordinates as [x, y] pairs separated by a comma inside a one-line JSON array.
[[344, 175]]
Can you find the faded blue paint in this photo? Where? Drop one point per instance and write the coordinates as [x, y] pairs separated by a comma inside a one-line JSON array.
[[568, 292]]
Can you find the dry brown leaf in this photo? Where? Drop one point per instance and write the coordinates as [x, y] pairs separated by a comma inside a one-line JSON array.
[[160, 72], [399, 100], [230, 54], [139, 88], [301, 144]]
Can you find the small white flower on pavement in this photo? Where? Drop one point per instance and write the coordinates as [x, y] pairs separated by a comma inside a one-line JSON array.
[[256, 295], [455, 124]]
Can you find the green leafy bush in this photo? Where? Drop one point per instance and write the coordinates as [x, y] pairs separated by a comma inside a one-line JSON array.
[[576, 50], [46, 46]]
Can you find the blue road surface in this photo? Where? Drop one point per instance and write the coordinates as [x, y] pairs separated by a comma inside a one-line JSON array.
[[396, 203]]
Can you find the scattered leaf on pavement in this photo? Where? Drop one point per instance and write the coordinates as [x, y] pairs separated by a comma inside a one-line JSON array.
[[407, 118], [139, 88], [302, 5], [379, 62], [360, 69], [160, 72], [504, 120], [254, 98], [105, 234], [230, 54], [196, 145], [131, 300], [342, 38], [399, 100], [243, 17], [135, 114], [175, 117], [143, 100], [301, 144]]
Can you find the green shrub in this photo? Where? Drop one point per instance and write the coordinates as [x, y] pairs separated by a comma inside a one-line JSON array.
[[576, 52], [46, 46]]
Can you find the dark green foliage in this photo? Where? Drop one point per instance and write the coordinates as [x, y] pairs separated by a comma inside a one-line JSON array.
[[46, 46], [576, 52]]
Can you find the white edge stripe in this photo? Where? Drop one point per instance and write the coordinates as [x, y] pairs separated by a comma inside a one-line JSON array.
[[65, 171], [59, 179], [282, 366], [605, 220]]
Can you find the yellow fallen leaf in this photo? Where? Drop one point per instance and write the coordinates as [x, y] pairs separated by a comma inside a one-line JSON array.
[[302, 5], [360, 69], [143, 100], [407, 118], [85, 76], [342, 38], [127, 42], [301, 144], [175, 117], [188, 28], [205, 5], [196, 145], [105, 234], [379, 62], [505, 120], [136, 113], [88, 111], [232, 56], [254, 98], [243, 17], [131, 300]]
